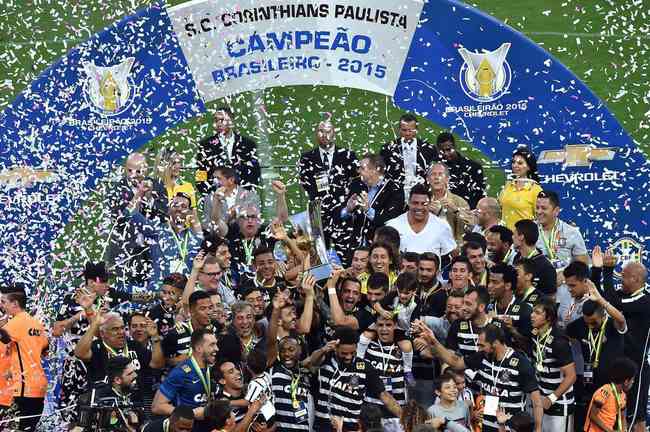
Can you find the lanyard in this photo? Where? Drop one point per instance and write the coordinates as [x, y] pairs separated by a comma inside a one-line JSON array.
[[165, 425], [617, 397], [540, 347], [248, 246], [532, 253], [182, 248], [496, 306], [528, 292], [434, 289], [205, 379], [249, 345], [471, 330], [495, 373], [114, 353], [506, 258], [293, 387], [549, 242], [483, 280], [384, 356], [596, 343]]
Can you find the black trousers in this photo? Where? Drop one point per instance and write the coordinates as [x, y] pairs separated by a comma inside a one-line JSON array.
[[29, 407]]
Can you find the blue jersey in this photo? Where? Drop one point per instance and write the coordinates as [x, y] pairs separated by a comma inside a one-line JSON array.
[[183, 386]]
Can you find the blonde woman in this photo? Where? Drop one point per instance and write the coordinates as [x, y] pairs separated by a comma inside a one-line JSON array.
[[168, 169]]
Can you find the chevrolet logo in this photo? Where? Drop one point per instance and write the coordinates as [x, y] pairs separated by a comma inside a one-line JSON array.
[[576, 155]]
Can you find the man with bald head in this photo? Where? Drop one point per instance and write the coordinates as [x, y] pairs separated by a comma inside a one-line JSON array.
[[325, 173], [486, 215], [634, 302], [126, 251]]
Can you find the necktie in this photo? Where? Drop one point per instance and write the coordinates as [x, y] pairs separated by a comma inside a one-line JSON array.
[[326, 161]]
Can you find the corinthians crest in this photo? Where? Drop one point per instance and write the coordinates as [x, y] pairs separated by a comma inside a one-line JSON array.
[[486, 76], [107, 88]]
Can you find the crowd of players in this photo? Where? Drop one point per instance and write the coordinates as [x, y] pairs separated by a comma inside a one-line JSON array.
[[445, 310]]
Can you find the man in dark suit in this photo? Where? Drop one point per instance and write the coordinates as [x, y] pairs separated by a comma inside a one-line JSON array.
[[408, 157], [466, 177], [226, 148], [325, 173], [373, 200]]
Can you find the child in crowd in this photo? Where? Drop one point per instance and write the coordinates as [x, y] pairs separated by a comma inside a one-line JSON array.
[[401, 304], [453, 411], [260, 385]]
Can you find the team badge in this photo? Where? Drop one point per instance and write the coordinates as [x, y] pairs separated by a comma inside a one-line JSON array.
[[629, 250], [486, 76], [108, 89]]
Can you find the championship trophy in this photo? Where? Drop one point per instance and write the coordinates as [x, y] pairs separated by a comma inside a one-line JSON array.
[[321, 268]]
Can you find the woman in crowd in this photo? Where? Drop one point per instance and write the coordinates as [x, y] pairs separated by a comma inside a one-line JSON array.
[[519, 194]]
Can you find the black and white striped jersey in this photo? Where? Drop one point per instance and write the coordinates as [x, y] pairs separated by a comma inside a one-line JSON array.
[[387, 360], [343, 388], [551, 352], [510, 379], [463, 337], [290, 390]]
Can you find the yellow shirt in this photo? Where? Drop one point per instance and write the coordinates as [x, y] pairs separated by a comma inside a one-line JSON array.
[[518, 203], [363, 278], [185, 188]]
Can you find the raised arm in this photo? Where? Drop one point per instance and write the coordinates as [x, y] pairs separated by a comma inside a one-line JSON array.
[[338, 316], [83, 349], [281, 209], [190, 286], [304, 323], [617, 316], [455, 361]]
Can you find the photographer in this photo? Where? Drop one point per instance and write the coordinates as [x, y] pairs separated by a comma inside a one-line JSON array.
[[95, 406]]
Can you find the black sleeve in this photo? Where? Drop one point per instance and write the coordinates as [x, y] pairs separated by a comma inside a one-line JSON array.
[[251, 172], [525, 326], [306, 174], [595, 276], [393, 205], [573, 329], [144, 355], [375, 385], [562, 350], [169, 343], [478, 186], [547, 283], [65, 311], [608, 286], [452, 336], [474, 360], [387, 301], [527, 378]]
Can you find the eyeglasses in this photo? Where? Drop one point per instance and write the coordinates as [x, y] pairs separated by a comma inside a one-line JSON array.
[[212, 274], [251, 217]]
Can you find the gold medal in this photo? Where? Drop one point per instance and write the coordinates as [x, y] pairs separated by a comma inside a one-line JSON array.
[[296, 404], [540, 367]]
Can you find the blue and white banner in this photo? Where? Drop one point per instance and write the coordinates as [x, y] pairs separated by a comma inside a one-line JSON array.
[[446, 61], [234, 46]]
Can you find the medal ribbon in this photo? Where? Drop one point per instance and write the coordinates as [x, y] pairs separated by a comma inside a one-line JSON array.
[[248, 245], [114, 353], [182, 248], [205, 379], [619, 421], [549, 242], [596, 343], [540, 347]]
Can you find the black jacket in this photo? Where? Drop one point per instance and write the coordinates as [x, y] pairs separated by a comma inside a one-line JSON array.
[[545, 275], [358, 229], [392, 154], [466, 179], [212, 153], [344, 169]]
